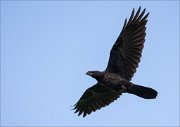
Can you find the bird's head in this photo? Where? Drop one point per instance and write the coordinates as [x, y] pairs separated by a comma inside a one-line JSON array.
[[95, 74]]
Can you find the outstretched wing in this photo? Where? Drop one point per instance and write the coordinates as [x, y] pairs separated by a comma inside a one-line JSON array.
[[95, 98], [126, 52]]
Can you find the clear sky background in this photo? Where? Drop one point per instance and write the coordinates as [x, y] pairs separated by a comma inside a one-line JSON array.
[[47, 46]]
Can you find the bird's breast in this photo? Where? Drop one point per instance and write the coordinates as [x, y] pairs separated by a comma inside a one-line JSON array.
[[112, 79]]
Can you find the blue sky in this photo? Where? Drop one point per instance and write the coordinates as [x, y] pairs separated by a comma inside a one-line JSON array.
[[47, 46]]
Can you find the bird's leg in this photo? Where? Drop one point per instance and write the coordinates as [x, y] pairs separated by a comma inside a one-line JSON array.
[[119, 87]]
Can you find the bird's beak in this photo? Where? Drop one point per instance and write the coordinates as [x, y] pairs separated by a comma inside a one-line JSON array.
[[89, 73]]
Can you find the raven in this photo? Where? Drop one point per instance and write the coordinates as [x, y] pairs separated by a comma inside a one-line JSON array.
[[124, 59]]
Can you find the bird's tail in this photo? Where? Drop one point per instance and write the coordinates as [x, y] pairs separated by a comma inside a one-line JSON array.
[[141, 91]]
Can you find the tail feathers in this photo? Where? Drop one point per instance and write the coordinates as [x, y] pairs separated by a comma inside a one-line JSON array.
[[141, 91]]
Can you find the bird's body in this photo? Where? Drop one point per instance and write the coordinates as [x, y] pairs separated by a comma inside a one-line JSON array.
[[112, 80], [124, 59]]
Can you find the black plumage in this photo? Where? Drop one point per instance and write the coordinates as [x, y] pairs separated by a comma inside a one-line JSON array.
[[124, 59]]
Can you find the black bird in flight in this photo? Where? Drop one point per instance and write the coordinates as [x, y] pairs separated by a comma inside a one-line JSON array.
[[124, 59]]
